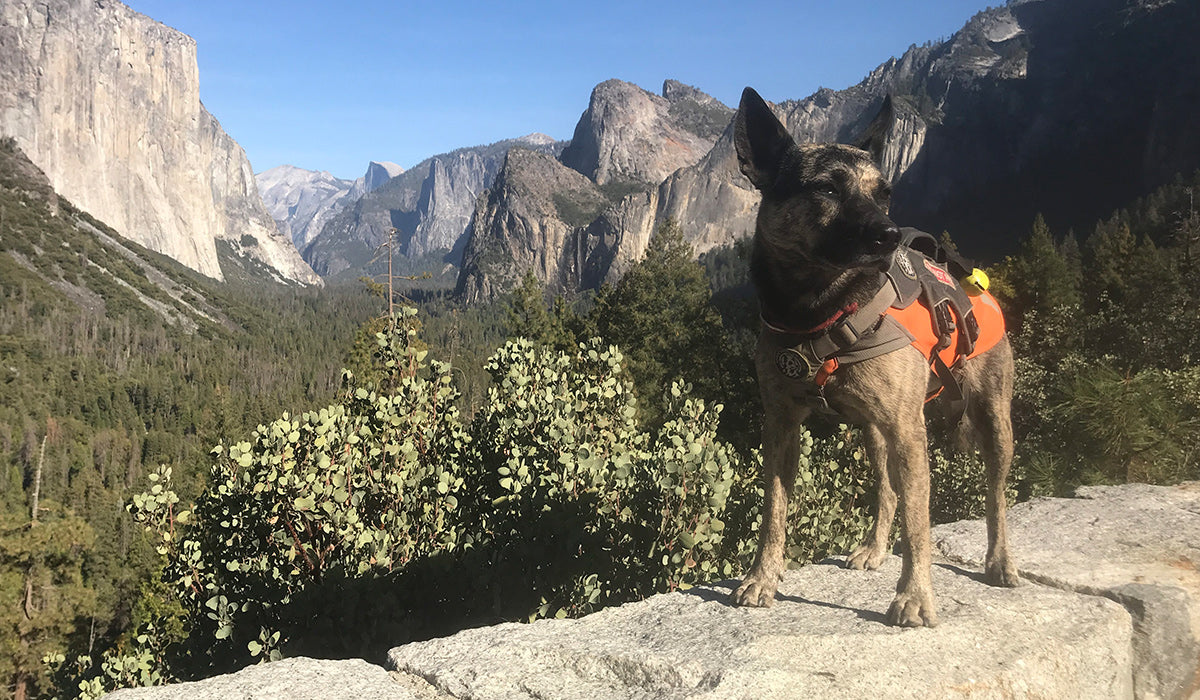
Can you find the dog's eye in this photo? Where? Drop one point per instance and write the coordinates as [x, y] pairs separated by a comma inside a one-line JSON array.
[[826, 188]]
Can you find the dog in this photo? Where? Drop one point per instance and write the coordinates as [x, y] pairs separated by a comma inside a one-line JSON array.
[[823, 236]]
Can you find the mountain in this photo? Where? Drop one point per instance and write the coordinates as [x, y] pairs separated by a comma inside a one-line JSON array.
[[302, 201], [527, 221], [625, 143], [629, 134], [429, 206], [1066, 107], [1070, 108], [106, 102], [378, 174]]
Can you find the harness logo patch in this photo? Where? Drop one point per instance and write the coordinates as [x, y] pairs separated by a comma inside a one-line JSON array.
[[941, 275], [794, 365], [905, 265]]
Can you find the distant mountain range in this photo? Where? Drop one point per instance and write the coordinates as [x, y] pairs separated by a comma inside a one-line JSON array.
[[1070, 108], [429, 207], [302, 201]]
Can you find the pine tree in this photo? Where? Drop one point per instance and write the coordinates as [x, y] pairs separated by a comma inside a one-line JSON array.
[[1042, 276], [42, 594], [661, 316], [528, 317], [1110, 248]]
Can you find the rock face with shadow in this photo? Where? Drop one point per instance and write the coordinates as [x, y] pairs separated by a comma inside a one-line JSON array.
[[1069, 108], [1108, 610], [1136, 544], [825, 637]]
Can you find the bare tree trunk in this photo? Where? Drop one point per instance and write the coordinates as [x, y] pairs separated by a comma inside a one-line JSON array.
[[37, 481]]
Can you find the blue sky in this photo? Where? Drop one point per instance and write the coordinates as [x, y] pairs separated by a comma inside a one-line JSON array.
[[333, 85]]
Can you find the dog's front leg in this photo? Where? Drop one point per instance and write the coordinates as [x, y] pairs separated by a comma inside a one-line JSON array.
[[908, 469], [874, 549], [781, 460]]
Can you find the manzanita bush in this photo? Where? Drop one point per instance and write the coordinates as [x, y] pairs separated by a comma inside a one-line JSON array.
[[387, 517]]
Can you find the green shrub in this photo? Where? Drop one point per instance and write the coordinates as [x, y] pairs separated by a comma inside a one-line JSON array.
[[385, 518]]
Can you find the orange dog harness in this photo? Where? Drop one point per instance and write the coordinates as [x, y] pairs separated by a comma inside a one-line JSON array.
[[919, 303]]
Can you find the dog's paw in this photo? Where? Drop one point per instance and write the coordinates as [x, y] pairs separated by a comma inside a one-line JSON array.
[[866, 557], [912, 609], [755, 592], [1001, 572]]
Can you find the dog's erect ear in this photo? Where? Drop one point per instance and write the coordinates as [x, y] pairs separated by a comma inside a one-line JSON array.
[[875, 137], [760, 139]]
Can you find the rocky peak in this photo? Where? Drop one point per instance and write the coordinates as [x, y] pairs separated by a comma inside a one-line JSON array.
[[630, 135], [536, 139], [428, 206], [300, 199], [378, 174], [532, 212]]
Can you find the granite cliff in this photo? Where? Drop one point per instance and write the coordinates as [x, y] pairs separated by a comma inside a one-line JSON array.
[[429, 206], [629, 135], [106, 102], [527, 221], [625, 143]]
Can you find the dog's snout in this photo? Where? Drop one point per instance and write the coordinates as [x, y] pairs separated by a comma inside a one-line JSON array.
[[888, 237], [884, 238]]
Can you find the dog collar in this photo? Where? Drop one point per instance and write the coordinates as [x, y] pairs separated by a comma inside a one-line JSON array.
[[804, 354], [824, 326]]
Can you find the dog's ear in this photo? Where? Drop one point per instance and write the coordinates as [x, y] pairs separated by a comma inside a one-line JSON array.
[[874, 138], [760, 139]]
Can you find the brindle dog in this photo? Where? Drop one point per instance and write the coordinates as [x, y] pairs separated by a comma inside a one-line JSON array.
[[822, 238]]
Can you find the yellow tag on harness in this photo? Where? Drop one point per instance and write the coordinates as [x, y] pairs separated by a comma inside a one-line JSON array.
[[975, 283]]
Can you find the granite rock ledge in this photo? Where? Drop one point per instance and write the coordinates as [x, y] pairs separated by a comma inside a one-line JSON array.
[[1108, 610]]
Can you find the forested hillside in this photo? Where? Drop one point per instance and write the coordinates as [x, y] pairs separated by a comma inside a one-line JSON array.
[[113, 360]]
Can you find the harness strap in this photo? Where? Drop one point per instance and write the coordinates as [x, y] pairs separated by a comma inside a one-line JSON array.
[[855, 326]]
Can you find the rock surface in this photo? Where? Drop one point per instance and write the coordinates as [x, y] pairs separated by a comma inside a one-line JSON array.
[[1138, 545], [824, 638], [106, 102], [1107, 611], [289, 679]]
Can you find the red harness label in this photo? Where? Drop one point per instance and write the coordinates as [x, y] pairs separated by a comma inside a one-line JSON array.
[[941, 275]]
